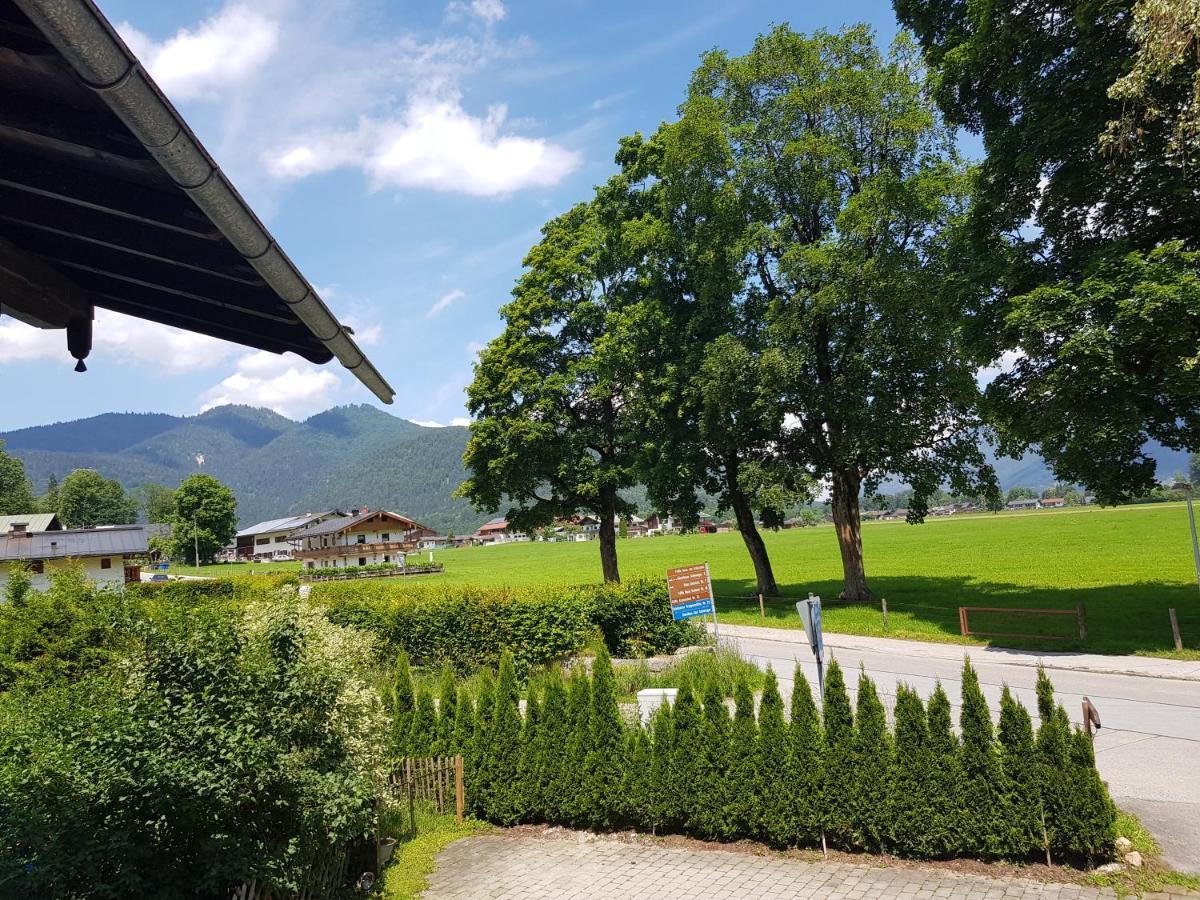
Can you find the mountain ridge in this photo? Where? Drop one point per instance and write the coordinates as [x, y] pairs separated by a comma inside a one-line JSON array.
[[343, 456]]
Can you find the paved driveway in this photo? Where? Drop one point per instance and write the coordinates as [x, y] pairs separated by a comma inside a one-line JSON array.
[[572, 865]]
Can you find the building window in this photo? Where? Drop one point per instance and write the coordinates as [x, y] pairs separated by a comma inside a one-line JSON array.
[[261, 541], [386, 536], [37, 566], [362, 560], [105, 563], [362, 539], [386, 558]]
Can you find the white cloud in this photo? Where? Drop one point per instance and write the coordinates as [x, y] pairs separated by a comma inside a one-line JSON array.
[[443, 303], [456, 422], [287, 384], [434, 144], [427, 424], [120, 339], [460, 421], [207, 58], [490, 11]]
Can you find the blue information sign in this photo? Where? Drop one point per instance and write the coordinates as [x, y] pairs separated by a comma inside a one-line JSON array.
[[692, 608]]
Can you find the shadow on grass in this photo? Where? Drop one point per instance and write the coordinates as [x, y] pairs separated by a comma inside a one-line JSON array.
[[1123, 618]]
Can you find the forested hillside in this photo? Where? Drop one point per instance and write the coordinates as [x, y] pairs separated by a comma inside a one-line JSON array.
[[347, 456]]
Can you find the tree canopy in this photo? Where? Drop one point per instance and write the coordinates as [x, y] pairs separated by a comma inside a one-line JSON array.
[[86, 498], [205, 513], [16, 495]]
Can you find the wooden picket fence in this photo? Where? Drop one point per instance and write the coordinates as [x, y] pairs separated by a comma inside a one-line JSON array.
[[435, 780], [324, 878]]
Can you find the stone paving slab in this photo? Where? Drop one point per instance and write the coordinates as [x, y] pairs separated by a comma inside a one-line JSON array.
[[575, 866]]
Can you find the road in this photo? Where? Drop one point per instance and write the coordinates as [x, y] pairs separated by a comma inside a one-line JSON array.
[[1148, 749]]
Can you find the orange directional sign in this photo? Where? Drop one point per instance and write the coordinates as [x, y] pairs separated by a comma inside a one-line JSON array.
[[690, 590]]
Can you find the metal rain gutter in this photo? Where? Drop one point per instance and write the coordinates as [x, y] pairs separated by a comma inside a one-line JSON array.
[[94, 49]]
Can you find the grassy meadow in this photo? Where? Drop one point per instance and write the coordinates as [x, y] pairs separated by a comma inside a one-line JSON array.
[[1127, 565]]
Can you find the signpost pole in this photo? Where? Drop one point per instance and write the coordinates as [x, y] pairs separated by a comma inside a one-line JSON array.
[[1195, 542], [712, 593]]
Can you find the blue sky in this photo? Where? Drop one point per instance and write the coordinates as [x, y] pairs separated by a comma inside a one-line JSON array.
[[405, 155]]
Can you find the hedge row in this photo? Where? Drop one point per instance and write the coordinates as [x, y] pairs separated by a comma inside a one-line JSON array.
[[236, 587], [915, 789], [468, 627]]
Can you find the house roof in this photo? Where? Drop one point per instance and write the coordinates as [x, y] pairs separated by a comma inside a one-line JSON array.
[[108, 199], [342, 523], [286, 524], [498, 524], [32, 522], [111, 541]]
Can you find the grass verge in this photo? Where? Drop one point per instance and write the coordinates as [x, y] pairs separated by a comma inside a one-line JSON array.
[[407, 875], [1153, 877]]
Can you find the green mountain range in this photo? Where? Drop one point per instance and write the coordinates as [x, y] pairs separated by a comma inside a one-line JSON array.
[[344, 457]]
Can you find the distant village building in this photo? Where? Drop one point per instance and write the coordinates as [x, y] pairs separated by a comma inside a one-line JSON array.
[[1029, 503], [362, 538], [1053, 502], [107, 555], [272, 539], [497, 532]]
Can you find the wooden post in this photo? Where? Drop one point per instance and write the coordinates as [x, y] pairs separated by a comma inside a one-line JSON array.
[[762, 610], [1081, 618], [962, 620], [883, 603], [459, 797], [412, 808], [1175, 629]]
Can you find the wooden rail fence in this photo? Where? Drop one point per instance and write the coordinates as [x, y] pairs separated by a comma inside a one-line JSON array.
[[1078, 613]]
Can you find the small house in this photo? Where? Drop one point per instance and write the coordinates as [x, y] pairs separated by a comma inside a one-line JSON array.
[[107, 554], [362, 539]]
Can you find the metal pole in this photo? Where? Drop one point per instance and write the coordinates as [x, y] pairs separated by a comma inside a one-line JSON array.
[[818, 655], [196, 539], [713, 600], [1195, 542]]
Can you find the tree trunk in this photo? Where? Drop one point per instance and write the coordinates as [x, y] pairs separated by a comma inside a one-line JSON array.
[[754, 542], [848, 524], [608, 535]]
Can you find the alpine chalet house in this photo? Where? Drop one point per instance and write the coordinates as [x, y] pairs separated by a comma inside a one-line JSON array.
[[362, 538], [105, 554], [273, 539]]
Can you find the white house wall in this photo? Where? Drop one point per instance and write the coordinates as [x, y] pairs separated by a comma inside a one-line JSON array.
[[114, 576]]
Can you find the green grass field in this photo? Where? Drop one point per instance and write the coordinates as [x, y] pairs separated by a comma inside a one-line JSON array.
[[1127, 565]]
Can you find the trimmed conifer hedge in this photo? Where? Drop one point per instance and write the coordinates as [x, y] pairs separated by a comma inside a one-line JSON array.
[[914, 789]]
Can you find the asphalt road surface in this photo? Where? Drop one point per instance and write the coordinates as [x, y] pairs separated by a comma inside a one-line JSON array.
[[1148, 749]]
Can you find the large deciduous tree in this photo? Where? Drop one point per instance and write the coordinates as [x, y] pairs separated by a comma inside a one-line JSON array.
[[551, 434], [1088, 115], [854, 197], [706, 426], [86, 498], [16, 495], [205, 515]]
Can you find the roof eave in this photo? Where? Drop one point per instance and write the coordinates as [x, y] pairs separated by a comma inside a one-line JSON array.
[[104, 63]]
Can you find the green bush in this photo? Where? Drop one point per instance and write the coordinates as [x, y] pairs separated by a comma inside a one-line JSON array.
[[915, 790], [469, 626], [228, 745]]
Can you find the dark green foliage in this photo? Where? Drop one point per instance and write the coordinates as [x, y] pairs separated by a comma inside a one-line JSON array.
[[742, 810], [478, 761], [661, 811], [945, 822], [16, 493], [637, 787], [1080, 817], [911, 809], [422, 731], [469, 626], [570, 789], [805, 764], [505, 804], [874, 772], [528, 782], [552, 777], [1018, 758], [464, 724], [403, 704], [774, 795], [985, 822], [839, 784], [709, 817], [87, 498], [605, 765], [447, 699], [682, 794]]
